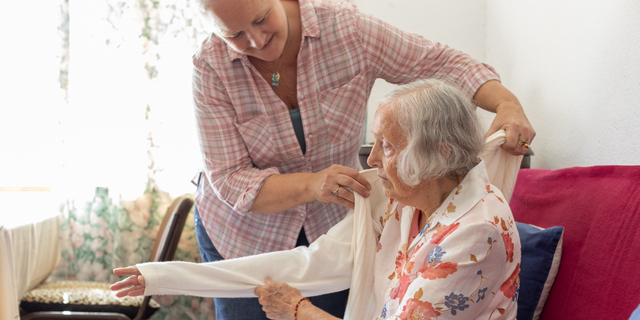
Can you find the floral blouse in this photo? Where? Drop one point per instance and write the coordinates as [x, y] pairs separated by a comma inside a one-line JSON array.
[[463, 265]]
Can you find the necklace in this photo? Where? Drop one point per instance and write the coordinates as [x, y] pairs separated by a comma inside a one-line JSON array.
[[275, 78]]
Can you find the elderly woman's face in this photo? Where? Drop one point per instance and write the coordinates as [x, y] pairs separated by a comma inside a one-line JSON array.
[[256, 28], [389, 142]]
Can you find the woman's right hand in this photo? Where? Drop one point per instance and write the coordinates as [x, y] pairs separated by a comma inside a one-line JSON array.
[[324, 183], [135, 284]]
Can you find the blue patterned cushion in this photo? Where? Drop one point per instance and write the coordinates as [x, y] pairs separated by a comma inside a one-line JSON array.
[[541, 251]]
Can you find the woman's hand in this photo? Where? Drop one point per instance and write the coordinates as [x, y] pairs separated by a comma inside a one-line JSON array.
[[520, 133], [134, 285], [282, 192], [324, 184], [493, 96], [278, 300]]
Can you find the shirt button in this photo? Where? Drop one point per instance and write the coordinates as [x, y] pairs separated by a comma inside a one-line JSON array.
[[310, 136], [302, 214], [301, 97]]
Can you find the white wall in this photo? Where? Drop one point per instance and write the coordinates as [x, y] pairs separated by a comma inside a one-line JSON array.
[[575, 66], [460, 24]]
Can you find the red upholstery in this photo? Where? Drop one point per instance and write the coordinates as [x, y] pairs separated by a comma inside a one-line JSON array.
[[599, 276]]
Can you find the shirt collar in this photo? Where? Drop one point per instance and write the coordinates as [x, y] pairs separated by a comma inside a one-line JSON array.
[[310, 27], [463, 198]]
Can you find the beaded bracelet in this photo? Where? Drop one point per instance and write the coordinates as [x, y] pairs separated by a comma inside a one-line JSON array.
[[295, 314]]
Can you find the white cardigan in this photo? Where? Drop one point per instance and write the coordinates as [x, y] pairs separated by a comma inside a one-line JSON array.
[[341, 259]]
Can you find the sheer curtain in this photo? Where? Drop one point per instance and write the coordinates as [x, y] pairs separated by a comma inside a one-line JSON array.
[[129, 118], [97, 93], [95, 106]]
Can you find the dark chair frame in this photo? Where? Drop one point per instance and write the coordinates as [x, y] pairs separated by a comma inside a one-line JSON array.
[[163, 249]]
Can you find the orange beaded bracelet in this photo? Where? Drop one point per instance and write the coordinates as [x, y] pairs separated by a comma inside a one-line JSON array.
[[295, 314]]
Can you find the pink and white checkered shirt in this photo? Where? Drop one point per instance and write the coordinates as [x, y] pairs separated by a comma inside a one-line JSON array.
[[245, 130]]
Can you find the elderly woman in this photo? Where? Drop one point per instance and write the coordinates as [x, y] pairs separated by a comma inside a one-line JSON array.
[[434, 240]]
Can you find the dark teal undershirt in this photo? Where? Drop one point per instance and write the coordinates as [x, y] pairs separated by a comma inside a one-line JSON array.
[[296, 120]]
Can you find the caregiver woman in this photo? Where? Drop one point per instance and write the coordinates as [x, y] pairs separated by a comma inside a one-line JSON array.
[[280, 91]]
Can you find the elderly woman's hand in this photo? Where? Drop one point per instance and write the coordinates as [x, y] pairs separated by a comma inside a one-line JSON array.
[[330, 185], [278, 300], [134, 285]]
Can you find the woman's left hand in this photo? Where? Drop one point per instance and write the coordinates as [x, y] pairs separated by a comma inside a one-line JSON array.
[[510, 117], [494, 97], [278, 300]]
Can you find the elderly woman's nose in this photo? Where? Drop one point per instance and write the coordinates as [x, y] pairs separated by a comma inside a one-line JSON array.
[[374, 160]]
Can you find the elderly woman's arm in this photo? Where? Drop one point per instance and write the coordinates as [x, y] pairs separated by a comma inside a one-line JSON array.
[[306, 268], [281, 301]]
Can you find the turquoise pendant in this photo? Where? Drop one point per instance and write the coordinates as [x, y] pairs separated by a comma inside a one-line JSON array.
[[275, 80]]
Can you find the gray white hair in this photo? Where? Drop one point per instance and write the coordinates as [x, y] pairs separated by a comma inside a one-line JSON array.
[[444, 136]]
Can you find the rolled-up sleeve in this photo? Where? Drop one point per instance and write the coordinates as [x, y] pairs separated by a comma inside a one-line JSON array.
[[227, 163]]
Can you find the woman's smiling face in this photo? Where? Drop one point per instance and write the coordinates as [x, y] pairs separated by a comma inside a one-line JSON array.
[[389, 141], [257, 28]]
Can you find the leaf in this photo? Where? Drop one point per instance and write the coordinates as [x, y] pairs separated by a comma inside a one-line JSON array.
[[418, 294], [499, 199], [451, 208], [393, 275], [458, 188], [495, 218], [503, 224], [439, 308], [473, 258], [501, 310]]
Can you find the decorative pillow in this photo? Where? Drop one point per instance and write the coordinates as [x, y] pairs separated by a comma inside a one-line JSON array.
[[541, 251], [82, 296]]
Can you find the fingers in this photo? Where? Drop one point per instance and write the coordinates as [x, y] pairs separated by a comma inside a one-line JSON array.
[[337, 184], [353, 180], [518, 140], [278, 299], [133, 286], [127, 271]]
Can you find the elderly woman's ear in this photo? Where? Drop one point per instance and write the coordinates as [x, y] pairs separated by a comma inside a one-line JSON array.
[[445, 150]]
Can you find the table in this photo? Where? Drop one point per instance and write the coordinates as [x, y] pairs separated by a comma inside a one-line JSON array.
[[29, 246]]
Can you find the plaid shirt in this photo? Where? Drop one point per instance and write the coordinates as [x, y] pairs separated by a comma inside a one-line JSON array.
[[245, 130]]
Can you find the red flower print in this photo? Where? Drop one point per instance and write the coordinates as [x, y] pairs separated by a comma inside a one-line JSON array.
[[418, 310], [399, 291], [509, 287], [440, 270], [508, 245], [444, 232], [400, 259]]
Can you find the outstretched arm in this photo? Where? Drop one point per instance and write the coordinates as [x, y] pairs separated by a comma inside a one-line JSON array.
[[303, 267]]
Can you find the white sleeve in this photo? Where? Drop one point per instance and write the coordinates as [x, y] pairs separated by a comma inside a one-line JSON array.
[[502, 167], [324, 267]]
